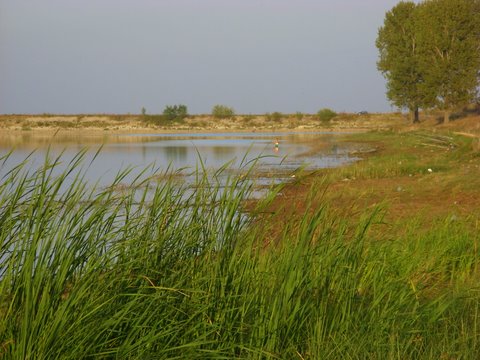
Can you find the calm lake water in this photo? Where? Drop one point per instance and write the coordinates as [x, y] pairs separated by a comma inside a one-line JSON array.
[[177, 151]]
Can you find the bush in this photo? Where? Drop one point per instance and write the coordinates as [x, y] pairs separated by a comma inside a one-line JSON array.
[[325, 115], [222, 112], [275, 116], [175, 112]]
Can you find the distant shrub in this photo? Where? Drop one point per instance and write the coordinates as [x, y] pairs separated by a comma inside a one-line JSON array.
[[325, 115], [222, 112], [175, 112], [144, 111], [275, 116], [298, 116]]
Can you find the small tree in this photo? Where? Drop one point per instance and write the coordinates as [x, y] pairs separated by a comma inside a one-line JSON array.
[[325, 115], [144, 111], [222, 112], [175, 112]]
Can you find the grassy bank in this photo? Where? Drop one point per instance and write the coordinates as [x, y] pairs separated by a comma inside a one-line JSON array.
[[376, 260]]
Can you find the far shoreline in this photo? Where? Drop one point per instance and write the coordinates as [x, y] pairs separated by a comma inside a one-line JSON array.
[[138, 124], [160, 131], [121, 124]]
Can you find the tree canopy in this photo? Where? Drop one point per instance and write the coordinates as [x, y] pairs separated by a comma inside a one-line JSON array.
[[429, 54], [175, 112], [326, 114], [449, 41], [397, 43], [222, 112]]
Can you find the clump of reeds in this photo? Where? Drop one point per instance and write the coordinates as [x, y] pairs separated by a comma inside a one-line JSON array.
[[162, 271]]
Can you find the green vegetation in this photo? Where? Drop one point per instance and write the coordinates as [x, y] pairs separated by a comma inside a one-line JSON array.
[[429, 54], [175, 112], [449, 42], [399, 58], [144, 111], [222, 112], [274, 117], [167, 270], [325, 115]]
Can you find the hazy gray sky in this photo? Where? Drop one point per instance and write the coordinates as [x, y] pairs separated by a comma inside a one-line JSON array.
[[115, 56]]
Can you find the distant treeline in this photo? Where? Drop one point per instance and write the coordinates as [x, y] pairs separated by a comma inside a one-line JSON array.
[[180, 112], [430, 54]]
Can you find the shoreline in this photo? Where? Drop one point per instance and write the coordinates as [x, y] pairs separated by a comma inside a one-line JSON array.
[[205, 124], [150, 131], [121, 124]]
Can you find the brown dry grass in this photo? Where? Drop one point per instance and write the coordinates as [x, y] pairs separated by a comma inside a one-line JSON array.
[[139, 123]]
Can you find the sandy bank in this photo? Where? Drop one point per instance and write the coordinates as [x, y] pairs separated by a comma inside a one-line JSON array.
[[119, 124]]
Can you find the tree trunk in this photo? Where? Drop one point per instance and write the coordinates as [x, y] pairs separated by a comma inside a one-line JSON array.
[[446, 117], [414, 115]]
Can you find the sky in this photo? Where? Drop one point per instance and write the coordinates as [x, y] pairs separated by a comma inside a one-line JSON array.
[[257, 56]]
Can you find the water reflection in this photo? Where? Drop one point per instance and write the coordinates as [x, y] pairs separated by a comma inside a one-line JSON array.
[[176, 154], [175, 151], [220, 152], [40, 139]]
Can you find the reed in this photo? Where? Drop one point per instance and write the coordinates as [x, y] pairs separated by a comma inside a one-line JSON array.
[[164, 271]]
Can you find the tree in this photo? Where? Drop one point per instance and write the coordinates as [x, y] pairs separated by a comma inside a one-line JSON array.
[[449, 43], [175, 112], [399, 62], [325, 115], [222, 112]]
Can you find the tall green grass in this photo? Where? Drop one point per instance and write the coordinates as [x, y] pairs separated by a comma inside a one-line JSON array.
[[161, 271]]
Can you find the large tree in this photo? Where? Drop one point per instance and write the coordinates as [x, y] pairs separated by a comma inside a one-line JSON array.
[[449, 44], [399, 63]]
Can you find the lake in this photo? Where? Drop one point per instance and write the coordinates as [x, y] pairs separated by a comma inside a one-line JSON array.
[[177, 151]]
